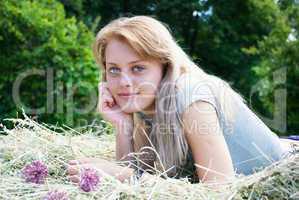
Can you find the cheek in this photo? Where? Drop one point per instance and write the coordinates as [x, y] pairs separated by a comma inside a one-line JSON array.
[[112, 85], [148, 86], [152, 82]]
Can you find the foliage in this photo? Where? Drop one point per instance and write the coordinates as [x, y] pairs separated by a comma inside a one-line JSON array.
[[50, 57], [279, 53]]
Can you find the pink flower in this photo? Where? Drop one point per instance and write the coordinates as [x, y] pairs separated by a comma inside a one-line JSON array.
[[36, 172], [56, 195], [89, 179]]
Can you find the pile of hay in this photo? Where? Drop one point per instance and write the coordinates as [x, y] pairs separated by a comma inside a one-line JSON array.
[[29, 141]]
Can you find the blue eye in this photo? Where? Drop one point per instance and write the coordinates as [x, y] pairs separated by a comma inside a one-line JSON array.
[[138, 68], [113, 70]]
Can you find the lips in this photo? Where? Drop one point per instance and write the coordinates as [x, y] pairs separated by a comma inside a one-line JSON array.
[[126, 94]]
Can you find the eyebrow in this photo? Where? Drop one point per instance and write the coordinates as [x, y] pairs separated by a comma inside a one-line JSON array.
[[136, 61]]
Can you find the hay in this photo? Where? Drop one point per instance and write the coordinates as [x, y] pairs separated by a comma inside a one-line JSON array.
[[29, 141]]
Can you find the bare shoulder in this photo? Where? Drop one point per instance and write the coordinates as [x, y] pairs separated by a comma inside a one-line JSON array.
[[200, 117], [207, 143]]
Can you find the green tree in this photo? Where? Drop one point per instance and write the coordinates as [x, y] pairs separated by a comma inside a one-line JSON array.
[[50, 55], [232, 27], [280, 51]]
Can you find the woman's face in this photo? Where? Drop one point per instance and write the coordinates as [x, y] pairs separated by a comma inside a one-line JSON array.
[[132, 81]]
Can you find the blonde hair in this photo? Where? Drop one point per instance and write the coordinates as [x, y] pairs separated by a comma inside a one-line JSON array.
[[151, 39]]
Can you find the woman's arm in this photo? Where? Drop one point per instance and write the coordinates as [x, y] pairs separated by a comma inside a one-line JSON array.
[[207, 143], [121, 173], [124, 140], [124, 146]]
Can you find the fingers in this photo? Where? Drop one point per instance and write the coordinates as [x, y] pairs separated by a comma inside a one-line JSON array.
[[74, 179], [74, 162], [73, 170], [104, 90], [74, 166], [82, 161], [106, 99]]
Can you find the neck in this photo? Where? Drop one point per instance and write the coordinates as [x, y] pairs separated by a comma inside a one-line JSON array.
[[149, 111]]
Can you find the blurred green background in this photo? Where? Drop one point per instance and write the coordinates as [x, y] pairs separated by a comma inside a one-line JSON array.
[[47, 67]]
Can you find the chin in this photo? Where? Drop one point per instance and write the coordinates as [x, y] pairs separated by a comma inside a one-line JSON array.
[[131, 109], [128, 109]]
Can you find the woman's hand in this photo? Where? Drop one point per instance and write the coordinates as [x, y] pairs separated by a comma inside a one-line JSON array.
[[122, 121], [109, 109], [101, 165], [74, 167]]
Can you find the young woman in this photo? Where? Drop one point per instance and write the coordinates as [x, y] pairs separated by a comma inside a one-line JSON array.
[[181, 120]]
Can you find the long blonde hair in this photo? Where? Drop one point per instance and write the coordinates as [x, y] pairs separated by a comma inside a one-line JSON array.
[[151, 39]]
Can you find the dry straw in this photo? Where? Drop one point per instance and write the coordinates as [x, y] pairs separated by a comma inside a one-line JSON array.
[[29, 141]]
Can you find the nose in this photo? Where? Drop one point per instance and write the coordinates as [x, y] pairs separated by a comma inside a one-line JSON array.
[[125, 80]]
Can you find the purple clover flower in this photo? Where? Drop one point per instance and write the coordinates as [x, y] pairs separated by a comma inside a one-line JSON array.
[[89, 179], [56, 195], [36, 172]]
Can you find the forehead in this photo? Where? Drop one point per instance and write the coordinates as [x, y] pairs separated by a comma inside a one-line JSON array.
[[118, 51]]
